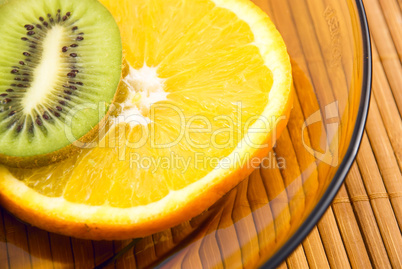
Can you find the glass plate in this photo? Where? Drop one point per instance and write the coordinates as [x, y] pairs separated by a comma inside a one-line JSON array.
[[263, 219]]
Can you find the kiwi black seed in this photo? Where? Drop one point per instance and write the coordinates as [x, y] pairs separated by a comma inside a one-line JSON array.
[[56, 81]]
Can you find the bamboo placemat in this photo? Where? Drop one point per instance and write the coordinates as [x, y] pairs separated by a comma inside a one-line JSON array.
[[362, 227]]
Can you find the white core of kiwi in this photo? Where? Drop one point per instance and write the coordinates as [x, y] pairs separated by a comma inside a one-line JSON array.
[[45, 74]]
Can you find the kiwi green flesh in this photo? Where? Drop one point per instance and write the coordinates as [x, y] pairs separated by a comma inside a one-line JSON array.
[[51, 96]]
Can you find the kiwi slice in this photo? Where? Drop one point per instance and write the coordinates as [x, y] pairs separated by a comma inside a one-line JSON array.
[[60, 66]]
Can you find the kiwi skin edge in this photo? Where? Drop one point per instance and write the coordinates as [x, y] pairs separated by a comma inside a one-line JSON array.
[[36, 161]]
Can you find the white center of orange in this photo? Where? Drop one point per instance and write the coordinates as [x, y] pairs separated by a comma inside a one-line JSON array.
[[145, 88]]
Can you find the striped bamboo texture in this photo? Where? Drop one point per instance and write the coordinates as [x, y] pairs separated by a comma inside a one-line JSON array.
[[362, 227]]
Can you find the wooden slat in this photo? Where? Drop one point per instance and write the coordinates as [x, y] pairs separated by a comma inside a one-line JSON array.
[[204, 249], [294, 188], [332, 241], [297, 259], [177, 262], [387, 106], [62, 252], [226, 233], [39, 246], [277, 196], [385, 158], [163, 242], [244, 224], [180, 232], [191, 260], [209, 249], [306, 161], [350, 231], [17, 243], [292, 177], [385, 214], [145, 252], [283, 266], [314, 250], [128, 259], [103, 250], [310, 46], [337, 72], [386, 48], [364, 213], [83, 253], [3, 243], [393, 16]]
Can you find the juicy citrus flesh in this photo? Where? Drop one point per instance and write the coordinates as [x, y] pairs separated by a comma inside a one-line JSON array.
[[199, 76]]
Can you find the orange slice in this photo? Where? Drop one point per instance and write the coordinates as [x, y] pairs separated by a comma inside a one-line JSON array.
[[205, 93]]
